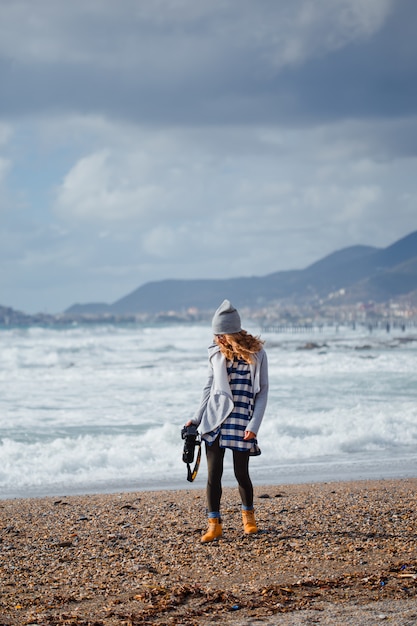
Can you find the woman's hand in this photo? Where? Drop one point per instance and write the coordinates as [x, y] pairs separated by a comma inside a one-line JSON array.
[[188, 423], [249, 435]]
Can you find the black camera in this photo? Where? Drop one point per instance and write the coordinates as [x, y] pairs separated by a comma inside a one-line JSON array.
[[191, 438]]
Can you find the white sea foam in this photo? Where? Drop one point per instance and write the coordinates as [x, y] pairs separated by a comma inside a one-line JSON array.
[[101, 407]]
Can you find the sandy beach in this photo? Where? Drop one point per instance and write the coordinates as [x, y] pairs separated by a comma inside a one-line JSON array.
[[326, 553]]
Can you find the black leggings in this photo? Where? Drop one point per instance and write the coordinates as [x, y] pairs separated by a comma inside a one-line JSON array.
[[215, 456]]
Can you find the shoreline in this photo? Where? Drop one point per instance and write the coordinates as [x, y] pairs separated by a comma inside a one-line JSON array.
[[344, 548], [313, 470]]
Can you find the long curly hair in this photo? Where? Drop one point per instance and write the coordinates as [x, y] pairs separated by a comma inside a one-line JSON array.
[[241, 345]]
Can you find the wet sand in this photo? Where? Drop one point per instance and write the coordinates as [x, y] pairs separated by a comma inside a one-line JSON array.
[[327, 553]]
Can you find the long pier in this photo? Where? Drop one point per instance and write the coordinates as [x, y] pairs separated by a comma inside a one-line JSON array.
[[312, 328], [291, 328]]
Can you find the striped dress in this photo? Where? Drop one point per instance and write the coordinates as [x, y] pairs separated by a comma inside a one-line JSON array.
[[233, 428]]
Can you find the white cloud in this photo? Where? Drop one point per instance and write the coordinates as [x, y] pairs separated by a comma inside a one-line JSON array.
[[188, 190], [193, 32], [164, 242], [6, 133], [102, 188], [299, 30], [360, 18]]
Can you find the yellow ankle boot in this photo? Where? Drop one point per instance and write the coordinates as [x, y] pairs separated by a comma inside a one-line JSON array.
[[214, 530], [249, 524]]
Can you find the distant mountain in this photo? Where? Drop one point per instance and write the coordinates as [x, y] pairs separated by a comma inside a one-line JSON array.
[[390, 283], [362, 272], [92, 308]]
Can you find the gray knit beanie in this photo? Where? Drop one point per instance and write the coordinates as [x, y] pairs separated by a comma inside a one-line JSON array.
[[226, 320]]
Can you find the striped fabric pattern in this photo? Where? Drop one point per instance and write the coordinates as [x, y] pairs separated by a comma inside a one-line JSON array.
[[234, 426]]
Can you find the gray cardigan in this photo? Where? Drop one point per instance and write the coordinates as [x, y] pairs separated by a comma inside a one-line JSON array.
[[217, 399]]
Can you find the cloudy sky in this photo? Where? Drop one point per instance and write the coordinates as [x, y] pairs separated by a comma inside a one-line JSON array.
[[150, 139]]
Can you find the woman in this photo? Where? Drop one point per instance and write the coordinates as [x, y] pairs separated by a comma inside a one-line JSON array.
[[231, 411]]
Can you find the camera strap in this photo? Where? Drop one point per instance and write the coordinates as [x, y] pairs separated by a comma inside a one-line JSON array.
[[191, 474]]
